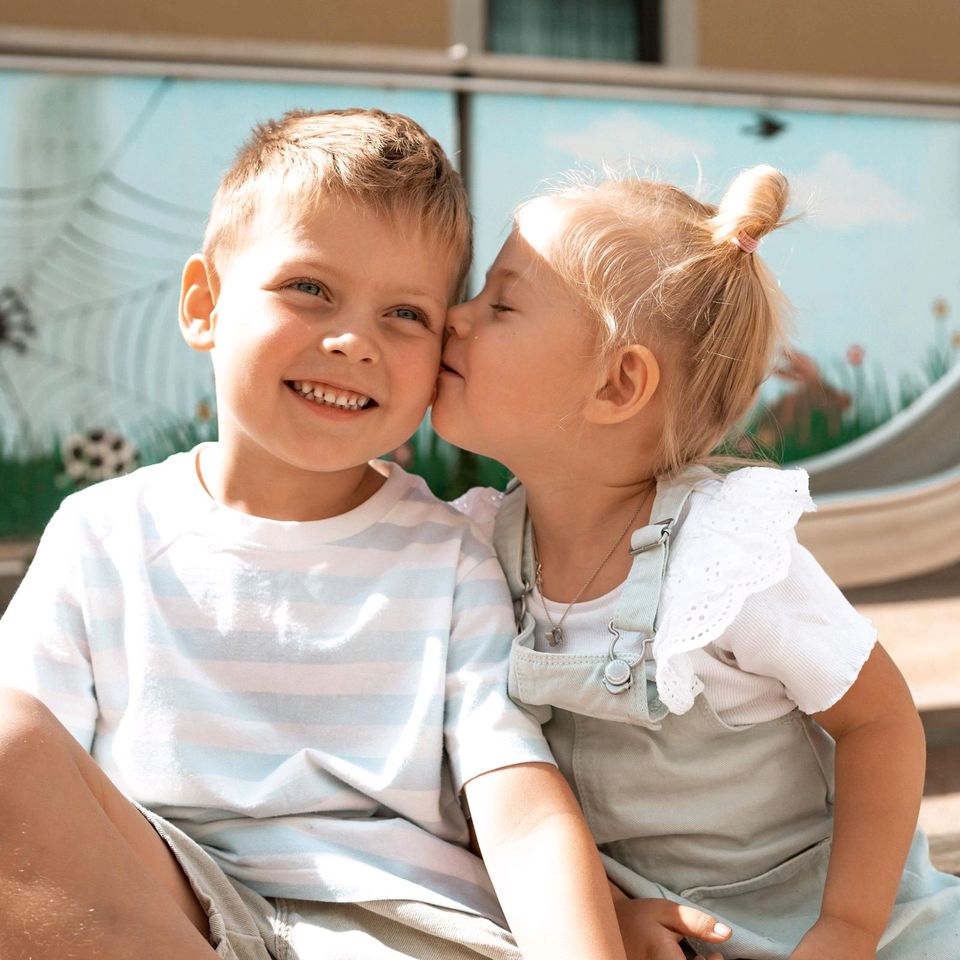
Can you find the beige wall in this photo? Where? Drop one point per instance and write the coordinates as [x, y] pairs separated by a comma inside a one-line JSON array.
[[419, 23], [891, 39]]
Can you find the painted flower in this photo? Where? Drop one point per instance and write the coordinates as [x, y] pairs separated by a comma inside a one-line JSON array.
[[855, 354], [940, 308], [97, 454], [204, 412]]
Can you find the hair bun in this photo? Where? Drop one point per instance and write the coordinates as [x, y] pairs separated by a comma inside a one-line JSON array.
[[753, 205]]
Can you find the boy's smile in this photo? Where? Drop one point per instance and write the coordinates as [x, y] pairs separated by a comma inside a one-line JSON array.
[[325, 336], [328, 395]]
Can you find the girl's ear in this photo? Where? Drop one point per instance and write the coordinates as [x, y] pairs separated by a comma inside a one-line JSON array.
[[199, 289], [630, 380]]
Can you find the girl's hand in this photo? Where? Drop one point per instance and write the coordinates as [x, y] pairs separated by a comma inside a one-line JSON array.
[[652, 928], [834, 939]]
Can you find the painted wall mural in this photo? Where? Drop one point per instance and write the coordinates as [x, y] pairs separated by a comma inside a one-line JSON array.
[[105, 182], [104, 188], [871, 266]]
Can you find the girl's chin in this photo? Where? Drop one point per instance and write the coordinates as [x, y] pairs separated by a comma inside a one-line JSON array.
[[447, 429]]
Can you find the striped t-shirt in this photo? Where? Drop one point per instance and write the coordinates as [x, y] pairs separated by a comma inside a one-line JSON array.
[[305, 700]]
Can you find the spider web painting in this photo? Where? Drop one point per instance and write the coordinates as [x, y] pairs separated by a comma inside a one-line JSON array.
[[89, 283], [104, 185]]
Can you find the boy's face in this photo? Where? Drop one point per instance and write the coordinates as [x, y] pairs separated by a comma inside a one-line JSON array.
[[326, 339]]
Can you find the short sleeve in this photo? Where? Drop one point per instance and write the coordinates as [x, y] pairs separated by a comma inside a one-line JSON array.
[[43, 637], [803, 632], [483, 728]]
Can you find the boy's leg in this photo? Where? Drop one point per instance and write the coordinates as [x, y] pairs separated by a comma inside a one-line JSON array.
[[82, 873]]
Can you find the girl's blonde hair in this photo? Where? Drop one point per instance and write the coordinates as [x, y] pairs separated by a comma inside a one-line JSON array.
[[656, 266]]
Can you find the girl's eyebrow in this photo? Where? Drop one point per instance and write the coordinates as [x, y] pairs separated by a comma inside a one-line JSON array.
[[504, 273]]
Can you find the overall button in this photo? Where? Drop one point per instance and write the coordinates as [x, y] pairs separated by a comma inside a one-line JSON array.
[[617, 676]]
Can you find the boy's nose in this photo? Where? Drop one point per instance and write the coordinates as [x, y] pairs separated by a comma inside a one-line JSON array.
[[352, 346], [458, 320]]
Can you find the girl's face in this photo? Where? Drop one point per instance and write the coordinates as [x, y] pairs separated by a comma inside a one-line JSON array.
[[520, 358]]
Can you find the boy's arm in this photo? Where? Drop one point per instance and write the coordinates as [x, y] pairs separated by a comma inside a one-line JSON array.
[[880, 760], [538, 849], [43, 636], [543, 863]]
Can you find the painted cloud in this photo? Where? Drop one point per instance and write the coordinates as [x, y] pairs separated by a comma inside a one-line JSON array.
[[839, 195], [622, 135]]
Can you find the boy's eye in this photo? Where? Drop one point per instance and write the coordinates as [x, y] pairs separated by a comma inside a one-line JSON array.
[[409, 313], [308, 287]]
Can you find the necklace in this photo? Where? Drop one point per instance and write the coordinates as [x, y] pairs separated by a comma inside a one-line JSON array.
[[555, 634]]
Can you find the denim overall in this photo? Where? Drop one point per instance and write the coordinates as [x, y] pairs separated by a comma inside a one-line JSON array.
[[735, 820]]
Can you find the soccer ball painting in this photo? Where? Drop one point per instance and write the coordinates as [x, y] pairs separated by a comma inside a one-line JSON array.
[[97, 455]]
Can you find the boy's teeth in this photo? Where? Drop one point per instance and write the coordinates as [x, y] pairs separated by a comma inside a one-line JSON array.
[[320, 394]]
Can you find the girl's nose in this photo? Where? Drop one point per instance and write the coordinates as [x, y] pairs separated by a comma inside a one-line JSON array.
[[458, 320], [353, 346]]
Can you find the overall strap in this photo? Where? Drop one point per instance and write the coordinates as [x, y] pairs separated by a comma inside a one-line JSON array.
[[639, 602], [511, 540]]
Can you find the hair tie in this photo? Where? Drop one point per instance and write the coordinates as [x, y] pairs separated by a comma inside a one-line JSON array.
[[745, 242]]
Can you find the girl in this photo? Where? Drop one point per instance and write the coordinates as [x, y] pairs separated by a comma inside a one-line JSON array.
[[736, 737]]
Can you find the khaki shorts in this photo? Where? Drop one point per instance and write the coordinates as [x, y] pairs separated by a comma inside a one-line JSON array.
[[246, 926]]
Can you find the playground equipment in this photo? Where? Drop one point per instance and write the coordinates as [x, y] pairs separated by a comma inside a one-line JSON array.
[[888, 504]]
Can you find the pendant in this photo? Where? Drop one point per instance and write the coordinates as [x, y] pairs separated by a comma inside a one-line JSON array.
[[554, 637]]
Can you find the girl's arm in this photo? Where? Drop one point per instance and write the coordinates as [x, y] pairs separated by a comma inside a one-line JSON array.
[[880, 762], [543, 864]]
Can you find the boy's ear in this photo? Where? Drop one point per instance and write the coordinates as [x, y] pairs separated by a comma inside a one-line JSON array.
[[630, 379], [199, 289]]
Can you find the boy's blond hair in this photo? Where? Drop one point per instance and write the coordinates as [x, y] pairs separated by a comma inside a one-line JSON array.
[[382, 160], [654, 265]]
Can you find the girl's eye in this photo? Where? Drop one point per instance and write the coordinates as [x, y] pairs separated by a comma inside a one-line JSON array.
[[409, 313], [500, 308], [308, 287]]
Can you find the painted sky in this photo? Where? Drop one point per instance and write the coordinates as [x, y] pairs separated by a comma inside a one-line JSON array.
[[879, 196], [105, 182]]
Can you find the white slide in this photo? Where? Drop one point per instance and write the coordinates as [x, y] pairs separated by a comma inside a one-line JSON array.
[[888, 504]]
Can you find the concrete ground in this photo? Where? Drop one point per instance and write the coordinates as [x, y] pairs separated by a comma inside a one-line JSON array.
[[919, 625]]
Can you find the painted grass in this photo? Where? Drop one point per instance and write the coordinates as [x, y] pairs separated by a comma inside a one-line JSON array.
[[32, 485], [450, 471], [873, 403]]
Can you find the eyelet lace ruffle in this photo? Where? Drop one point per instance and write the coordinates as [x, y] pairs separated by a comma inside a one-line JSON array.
[[734, 542]]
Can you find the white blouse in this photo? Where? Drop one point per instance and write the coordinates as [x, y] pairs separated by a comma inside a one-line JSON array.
[[747, 614]]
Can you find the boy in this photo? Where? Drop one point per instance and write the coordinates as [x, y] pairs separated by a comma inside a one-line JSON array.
[[293, 659]]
